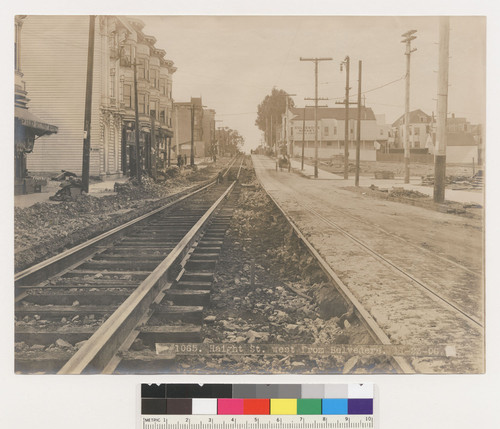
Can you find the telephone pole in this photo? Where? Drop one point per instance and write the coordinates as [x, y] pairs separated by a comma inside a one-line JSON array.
[[316, 61], [358, 129], [408, 37], [88, 107], [347, 62], [442, 109], [303, 139], [136, 108]]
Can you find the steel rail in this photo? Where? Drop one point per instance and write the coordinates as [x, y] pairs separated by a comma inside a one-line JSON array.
[[408, 243], [400, 363], [473, 321], [100, 348], [43, 270]]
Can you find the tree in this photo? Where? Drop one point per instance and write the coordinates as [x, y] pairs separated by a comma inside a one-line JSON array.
[[230, 141], [274, 106]]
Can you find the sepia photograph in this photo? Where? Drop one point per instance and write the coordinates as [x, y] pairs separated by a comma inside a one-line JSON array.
[[249, 194]]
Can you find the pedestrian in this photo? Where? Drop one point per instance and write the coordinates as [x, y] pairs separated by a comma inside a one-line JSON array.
[[185, 159], [179, 160]]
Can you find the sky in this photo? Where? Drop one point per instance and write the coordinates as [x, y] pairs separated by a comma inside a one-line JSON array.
[[233, 62]]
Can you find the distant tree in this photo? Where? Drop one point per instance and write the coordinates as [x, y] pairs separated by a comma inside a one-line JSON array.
[[274, 106]]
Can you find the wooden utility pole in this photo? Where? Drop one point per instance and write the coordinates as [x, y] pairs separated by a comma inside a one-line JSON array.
[[347, 62], [358, 128], [88, 107], [408, 37], [303, 138], [191, 158], [442, 109], [136, 106], [154, 149], [315, 60], [169, 151]]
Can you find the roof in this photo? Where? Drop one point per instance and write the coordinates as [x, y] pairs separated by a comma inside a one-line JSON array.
[[332, 113], [415, 118], [460, 139], [28, 119]]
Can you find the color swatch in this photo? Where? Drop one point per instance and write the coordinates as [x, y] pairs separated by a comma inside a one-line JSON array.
[[257, 399]]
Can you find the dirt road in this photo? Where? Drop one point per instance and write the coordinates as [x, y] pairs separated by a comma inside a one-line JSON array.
[[417, 271]]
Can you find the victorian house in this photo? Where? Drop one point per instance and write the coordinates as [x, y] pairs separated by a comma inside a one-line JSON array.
[[54, 53]]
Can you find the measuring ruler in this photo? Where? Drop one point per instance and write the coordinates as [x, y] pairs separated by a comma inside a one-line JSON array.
[[258, 422]]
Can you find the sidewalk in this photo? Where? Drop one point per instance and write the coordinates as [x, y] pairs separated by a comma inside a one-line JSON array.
[[457, 196], [97, 189]]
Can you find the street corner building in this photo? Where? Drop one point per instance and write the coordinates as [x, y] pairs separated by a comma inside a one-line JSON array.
[[53, 51]]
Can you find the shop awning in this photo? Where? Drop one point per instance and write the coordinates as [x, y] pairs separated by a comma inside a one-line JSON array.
[[28, 119]]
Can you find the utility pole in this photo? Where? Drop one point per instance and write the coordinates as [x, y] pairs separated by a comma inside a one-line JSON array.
[[153, 170], [358, 128], [136, 106], [408, 37], [442, 109], [169, 151], [315, 60], [303, 138], [192, 136], [88, 107], [347, 62]]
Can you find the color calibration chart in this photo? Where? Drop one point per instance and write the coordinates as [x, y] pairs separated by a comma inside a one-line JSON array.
[[257, 406]]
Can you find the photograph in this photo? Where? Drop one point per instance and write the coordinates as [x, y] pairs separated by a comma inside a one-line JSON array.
[[259, 194]]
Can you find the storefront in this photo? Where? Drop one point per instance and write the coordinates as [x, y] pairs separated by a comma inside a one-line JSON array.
[[27, 128]]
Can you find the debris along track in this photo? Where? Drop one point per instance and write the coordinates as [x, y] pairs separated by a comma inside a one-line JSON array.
[[400, 364], [258, 299], [74, 310]]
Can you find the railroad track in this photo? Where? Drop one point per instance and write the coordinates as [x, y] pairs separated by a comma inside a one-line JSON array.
[[434, 294], [143, 281]]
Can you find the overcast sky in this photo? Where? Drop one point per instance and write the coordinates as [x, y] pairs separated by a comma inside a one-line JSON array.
[[234, 62]]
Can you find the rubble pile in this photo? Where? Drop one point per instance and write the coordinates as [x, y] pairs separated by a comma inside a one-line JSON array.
[[45, 229], [268, 289], [400, 192], [458, 182]]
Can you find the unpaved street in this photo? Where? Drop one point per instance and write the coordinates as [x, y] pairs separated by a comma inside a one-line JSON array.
[[415, 270]]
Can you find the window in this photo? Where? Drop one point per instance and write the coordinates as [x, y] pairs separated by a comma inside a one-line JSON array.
[[143, 69], [381, 132], [154, 109], [417, 131], [326, 131], [334, 130], [127, 95], [144, 104], [162, 87], [125, 56], [154, 78], [162, 116]]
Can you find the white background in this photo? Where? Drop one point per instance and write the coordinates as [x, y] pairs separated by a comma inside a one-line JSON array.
[[410, 402]]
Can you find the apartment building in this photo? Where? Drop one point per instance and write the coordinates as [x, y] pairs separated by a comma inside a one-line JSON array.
[[54, 55]]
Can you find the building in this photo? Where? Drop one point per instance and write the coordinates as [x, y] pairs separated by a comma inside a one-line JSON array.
[[55, 50], [420, 130], [463, 145], [27, 126], [331, 132], [193, 113]]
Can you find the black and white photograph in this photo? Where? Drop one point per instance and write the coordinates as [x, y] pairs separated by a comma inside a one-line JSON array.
[[249, 194]]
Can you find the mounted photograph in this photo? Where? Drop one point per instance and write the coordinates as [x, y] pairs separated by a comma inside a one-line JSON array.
[[249, 194]]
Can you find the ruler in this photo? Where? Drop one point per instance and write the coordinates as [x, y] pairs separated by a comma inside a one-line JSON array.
[[258, 422]]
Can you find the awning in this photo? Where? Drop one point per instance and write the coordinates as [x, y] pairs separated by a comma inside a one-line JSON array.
[[28, 119]]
